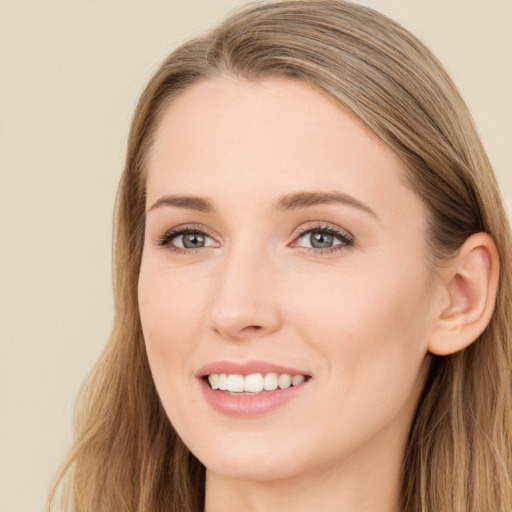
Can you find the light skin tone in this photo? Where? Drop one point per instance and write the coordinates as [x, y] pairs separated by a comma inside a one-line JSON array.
[[335, 282]]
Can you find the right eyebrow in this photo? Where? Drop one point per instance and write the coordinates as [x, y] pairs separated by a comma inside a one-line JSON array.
[[198, 204]]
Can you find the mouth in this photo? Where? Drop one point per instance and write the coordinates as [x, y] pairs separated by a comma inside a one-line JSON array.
[[254, 383], [252, 388]]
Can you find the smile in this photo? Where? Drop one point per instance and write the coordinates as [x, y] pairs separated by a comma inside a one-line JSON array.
[[252, 388], [253, 383]]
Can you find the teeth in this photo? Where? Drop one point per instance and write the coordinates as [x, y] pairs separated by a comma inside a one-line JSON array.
[[223, 382], [235, 383], [270, 382], [298, 379], [253, 383], [284, 381], [214, 380]]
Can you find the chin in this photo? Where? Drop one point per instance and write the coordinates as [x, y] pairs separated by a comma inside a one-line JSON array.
[[251, 459], [254, 470]]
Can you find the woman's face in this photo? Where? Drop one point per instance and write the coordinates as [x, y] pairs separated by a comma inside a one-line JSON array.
[[282, 242]]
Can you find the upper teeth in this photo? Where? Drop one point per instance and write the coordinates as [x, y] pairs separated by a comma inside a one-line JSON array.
[[253, 383]]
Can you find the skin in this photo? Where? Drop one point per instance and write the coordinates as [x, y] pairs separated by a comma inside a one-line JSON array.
[[358, 319]]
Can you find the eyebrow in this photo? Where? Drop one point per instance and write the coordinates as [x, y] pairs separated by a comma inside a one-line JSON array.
[[293, 201], [308, 199], [198, 204]]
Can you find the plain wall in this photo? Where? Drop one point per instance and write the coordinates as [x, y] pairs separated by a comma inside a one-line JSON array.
[[70, 75]]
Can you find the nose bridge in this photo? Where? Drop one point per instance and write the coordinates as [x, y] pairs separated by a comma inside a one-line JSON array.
[[243, 300]]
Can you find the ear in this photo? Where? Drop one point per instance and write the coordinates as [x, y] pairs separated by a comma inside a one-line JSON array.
[[467, 296]]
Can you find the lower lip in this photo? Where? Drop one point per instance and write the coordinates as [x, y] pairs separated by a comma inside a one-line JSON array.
[[245, 406]]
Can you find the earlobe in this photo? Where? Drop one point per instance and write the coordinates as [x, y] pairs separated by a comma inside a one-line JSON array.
[[470, 284]]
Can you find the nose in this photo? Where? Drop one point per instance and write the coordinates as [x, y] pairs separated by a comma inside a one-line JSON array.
[[244, 301]]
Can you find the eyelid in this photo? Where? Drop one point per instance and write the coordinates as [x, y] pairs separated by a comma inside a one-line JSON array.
[[326, 226]]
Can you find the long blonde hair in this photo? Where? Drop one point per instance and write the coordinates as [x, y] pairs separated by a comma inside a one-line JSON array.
[[127, 456]]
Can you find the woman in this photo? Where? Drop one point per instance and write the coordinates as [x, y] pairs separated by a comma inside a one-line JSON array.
[[313, 285]]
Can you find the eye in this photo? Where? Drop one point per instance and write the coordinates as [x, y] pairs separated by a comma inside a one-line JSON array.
[[191, 240], [186, 239], [323, 239]]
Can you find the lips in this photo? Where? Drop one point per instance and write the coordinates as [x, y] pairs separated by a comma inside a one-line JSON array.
[[250, 388], [248, 367]]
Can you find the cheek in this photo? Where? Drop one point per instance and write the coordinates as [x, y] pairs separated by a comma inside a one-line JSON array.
[[370, 325], [170, 310], [364, 302]]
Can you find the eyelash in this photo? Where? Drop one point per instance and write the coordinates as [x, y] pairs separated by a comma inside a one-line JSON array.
[[169, 236], [347, 241]]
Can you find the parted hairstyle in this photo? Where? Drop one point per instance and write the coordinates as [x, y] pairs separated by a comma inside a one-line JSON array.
[[127, 456]]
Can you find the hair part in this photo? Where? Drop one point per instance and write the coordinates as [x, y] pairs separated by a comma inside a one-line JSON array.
[[127, 456]]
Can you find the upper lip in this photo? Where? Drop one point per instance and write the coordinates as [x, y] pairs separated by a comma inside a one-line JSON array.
[[247, 368]]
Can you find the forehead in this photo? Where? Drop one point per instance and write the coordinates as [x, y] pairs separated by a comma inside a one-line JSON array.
[[229, 138], [229, 113]]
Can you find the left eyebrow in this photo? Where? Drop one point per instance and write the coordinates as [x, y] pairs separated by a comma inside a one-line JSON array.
[[308, 199]]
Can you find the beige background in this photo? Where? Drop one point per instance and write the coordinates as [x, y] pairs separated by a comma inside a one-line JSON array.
[[70, 74]]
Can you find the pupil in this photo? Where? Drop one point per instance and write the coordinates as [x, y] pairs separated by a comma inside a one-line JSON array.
[[192, 240], [321, 240]]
